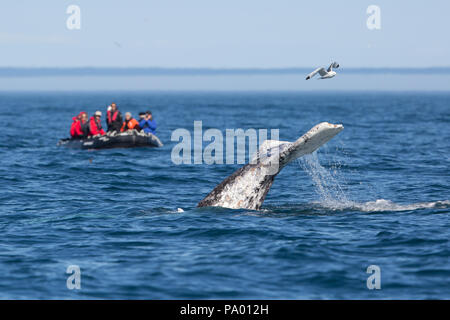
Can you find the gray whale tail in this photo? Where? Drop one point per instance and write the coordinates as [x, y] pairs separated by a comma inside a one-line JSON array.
[[248, 186]]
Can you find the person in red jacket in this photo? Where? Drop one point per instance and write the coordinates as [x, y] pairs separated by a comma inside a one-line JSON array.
[[79, 125], [95, 124], [74, 125]]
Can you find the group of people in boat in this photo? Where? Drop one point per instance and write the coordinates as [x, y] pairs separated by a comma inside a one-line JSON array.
[[82, 127]]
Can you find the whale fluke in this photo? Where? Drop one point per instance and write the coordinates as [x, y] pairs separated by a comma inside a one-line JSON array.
[[248, 186]]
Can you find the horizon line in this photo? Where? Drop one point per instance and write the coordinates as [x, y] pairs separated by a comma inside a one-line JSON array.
[[201, 71]]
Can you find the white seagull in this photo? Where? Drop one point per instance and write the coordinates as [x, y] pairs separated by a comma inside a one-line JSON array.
[[324, 74]]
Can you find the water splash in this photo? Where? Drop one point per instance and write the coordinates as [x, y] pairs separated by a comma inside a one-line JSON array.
[[381, 205], [326, 182], [333, 196]]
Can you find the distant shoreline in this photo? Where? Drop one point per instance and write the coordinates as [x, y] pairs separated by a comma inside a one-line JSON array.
[[154, 71]]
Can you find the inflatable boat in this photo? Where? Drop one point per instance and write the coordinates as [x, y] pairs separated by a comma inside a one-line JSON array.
[[129, 139]]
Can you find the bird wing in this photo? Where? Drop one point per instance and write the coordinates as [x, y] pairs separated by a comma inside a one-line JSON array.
[[330, 67], [334, 64], [321, 71]]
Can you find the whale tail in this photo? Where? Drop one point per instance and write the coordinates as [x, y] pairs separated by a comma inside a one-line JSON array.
[[248, 186]]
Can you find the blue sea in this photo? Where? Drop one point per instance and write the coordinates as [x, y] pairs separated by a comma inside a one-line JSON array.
[[377, 194]]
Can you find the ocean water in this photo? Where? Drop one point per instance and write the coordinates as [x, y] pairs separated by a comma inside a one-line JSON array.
[[376, 194]]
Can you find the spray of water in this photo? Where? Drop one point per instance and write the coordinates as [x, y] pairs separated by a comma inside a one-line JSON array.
[[333, 196], [326, 182]]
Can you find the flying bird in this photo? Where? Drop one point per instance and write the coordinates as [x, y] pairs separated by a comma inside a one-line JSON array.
[[324, 74]]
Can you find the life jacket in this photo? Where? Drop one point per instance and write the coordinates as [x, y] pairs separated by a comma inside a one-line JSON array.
[[73, 131], [130, 125], [83, 128], [95, 127], [113, 117]]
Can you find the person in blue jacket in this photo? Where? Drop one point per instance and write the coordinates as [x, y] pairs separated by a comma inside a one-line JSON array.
[[148, 124]]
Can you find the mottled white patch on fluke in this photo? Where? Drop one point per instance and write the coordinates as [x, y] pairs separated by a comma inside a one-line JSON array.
[[248, 186]]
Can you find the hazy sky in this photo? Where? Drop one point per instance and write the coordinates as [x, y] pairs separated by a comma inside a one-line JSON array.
[[225, 33]]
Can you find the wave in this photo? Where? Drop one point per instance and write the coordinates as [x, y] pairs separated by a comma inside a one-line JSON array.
[[381, 205]]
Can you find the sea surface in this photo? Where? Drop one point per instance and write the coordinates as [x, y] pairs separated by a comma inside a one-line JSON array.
[[377, 194]]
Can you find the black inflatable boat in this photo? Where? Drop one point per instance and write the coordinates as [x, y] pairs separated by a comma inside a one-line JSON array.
[[130, 139]]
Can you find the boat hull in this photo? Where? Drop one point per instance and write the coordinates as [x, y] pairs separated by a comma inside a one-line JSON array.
[[122, 140]]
